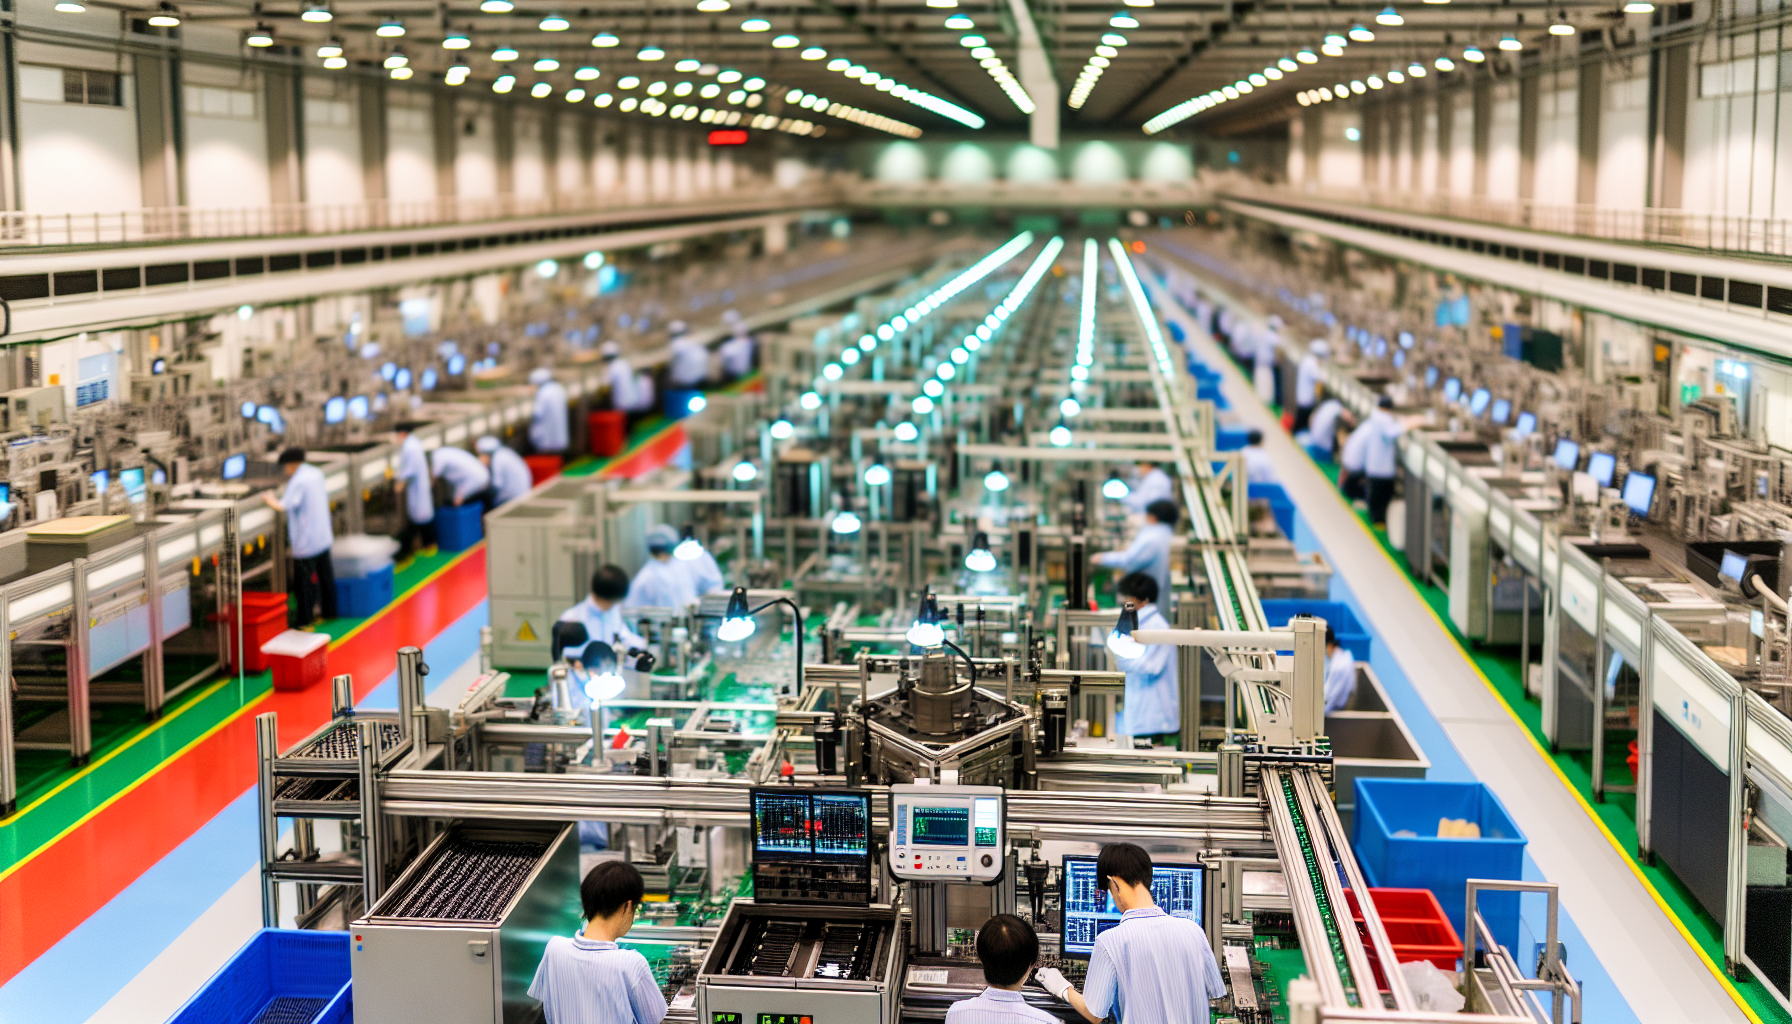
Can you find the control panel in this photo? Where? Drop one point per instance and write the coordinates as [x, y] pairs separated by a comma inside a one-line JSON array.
[[947, 833]]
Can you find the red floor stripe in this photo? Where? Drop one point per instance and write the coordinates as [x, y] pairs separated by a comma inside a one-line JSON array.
[[62, 885], [649, 457]]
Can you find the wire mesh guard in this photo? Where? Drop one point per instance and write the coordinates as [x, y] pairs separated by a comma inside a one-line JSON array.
[[467, 880], [301, 788], [342, 742], [291, 1010]]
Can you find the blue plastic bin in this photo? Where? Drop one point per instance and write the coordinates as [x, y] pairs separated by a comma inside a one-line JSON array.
[[459, 527], [1352, 636], [1229, 439], [1423, 861], [678, 402], [276, 964], [1279, 505], [360, 596]]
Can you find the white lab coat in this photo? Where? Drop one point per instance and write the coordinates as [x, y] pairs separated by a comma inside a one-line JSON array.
[[1257, 467], [413, 471], [465, 474], [1381, 455], [705, 574], [1356, 448], [1148, 553], [511, 478], [1263, 365], [1322, 429], [1154, 487], [661, 585], [624, 395], [737, 355], [600, 625], [1340, 679], [1153, 697], [547, 428], [690, 362], [1306, 382]]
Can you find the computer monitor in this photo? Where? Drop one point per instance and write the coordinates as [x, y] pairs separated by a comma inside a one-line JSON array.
[[1502, 411], [357, 407], [1734, 565], [1601, 466], [1639, 493], [796, 824], [336, 410], [5, 493], [402, 379], [456, 364], [1527, 424], [1477, 402], [1431, 376], [132, 479], [1088, 910], [235, 466], [99, 482], [429, 378], [1567, 454], [388, 371], [1452, 389]]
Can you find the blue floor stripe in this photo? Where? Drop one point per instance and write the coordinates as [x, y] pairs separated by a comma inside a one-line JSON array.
[[448, 651]]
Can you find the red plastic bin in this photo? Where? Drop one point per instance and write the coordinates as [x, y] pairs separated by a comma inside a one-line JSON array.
[[608, 432], [542, 466], [299, 659], [264, 618], [1416, 925]]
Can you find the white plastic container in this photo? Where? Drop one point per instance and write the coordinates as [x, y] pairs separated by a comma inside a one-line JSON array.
[[358, 555]]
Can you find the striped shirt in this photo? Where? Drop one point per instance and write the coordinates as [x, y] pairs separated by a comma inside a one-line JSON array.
[[1152, 968], [997, 1006], [584, 981]]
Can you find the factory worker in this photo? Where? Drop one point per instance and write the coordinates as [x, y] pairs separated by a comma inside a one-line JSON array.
[[698, 564], [601, 614], [1340, 673], [1154, 485], [689, 360], [547, 426], [467, 477], [1257, 467], [1307, 383], [413, 482], [1149, 551], [1381, 457], [1321, 437], [587, 978], [1351, 461], [1263, 360], [306, 503], [737, 354], [1151, 968], [511, 478], [660, 584], [620, 377], [1153, 700], [1007, 946]]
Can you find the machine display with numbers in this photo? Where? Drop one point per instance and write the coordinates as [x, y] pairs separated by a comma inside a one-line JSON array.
[[946, 833]]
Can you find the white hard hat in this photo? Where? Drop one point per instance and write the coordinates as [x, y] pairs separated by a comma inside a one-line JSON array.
[[541, 375], [486, 445], [610, 350], [676, 327], [1320, 348]]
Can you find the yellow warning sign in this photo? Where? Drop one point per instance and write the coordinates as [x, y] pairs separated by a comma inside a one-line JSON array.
[[525, 633]]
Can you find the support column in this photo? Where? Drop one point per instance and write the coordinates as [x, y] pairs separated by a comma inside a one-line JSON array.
[[1446, 137], [370, 111], [11, 194], [1415, 109], [1371, 144], [283, 100], [550, 153], [1312, 141], [1037, 78], [1669, 72], [1483, 100], [1592, 105], [159, 131], [444, 123], [586, 129], [504, 147], [1530, 90]]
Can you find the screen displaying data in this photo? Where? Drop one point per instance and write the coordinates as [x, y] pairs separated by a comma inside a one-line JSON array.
[[804, 825], [988, 820], [942, 826], [1089, 910]]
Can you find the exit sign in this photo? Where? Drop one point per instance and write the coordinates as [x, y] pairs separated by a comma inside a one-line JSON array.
[[728, 137]]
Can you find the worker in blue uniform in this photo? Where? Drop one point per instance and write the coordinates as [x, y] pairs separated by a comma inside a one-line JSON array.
[[1149, 551], [413, 481], [467, 477], [1007, 947], [510, 474], [1153, 698], [1340, 673], [1308, 382], [1258, 469], [601, 615], [689, 359], [1153, 485], [547, 424], [659, 583], [587, 978], [306, 503]]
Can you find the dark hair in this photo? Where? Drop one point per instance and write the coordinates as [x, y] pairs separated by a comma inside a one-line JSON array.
[[1385, 402], [1007, 946], [1254, 437], [1129, 863], [610, 885], [610, 583], [1331, 636], [1164, 511], [1139, 586], [292, 455]]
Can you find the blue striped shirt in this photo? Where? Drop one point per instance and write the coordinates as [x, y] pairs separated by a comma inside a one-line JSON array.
[[584, 981], [1152, 968], [997, 1006]]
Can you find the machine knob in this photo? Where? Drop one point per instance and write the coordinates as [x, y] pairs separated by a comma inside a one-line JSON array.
[[988, 860]]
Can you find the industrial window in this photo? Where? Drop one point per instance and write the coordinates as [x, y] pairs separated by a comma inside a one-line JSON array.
[[1511, 252], [1574, 264], [1685, 284], [1711, 288], [77, 282], [1745, 293], [92, 88], [1624, 273], [24, 286], [423, 248], [1779, 300], [165, 273], [1654, 278], [210, 270], [1461, 243], [354, 256], [120, 278], [250, 265], [321, 258], [1478, 245], [1599, 269], [1552, 260], [400, 251], [284, 261]]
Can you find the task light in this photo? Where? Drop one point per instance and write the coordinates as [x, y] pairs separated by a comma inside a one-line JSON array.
[[979, 558]]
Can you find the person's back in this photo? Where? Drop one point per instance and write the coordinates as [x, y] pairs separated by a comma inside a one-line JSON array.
[[1356, 449], [1152, 968], [510, 475], [587, 978], [1007, 947]]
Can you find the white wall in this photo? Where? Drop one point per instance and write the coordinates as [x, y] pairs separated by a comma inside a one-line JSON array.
[[1558, 139], [1340, 158], [1399, 147], [1429, 157], [332, 152], [1502, 148], [606, 167], [1462, 144], [410, 153], [528, 171], [227, 147], [76, 158], [569, 173], [476, 156], [1624, 142]]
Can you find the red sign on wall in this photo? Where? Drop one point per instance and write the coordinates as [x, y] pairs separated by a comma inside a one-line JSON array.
[[728, 137]]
